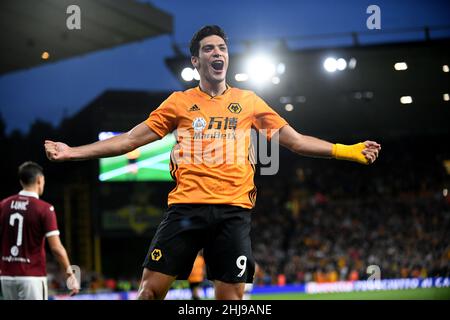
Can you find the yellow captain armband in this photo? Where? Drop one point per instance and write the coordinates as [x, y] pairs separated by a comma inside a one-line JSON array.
[[350, 152]]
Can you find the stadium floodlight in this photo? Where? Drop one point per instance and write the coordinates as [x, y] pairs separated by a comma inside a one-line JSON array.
[[406, 100], [281, 68], [352, 63], [289, 107], [445, 68], [187, 74], [275, 80], [400, 66], [446, 97], [196, 75], [106, 135], [45, 55], [241, 77], [261, 69], [330, 64], [341, 64]]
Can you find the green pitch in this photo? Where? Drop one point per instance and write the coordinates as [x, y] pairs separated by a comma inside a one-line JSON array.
[[151, 165], [412, 294]]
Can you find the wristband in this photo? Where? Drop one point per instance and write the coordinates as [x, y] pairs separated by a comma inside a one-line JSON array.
[[350, 152]]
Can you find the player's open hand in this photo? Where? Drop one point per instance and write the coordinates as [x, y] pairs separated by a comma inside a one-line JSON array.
[[57, 151], [371, 151]]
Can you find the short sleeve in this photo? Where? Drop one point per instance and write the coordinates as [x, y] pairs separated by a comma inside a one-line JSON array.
[[163, 120], [266, 118], [49, 221]]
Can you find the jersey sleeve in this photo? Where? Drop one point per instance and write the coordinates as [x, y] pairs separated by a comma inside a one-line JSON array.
[[265, 118], [163, 120], [49, 221]]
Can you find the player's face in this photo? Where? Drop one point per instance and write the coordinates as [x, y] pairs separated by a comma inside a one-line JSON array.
[[212, 60]]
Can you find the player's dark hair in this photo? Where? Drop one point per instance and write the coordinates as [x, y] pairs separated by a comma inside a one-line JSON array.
[[29, 171], [204, 32]]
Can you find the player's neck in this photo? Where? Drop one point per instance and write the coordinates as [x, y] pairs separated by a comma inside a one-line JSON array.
[[213, 89], [34, 189]]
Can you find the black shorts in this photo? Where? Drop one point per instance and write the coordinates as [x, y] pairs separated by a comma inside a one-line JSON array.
[[223, 231]]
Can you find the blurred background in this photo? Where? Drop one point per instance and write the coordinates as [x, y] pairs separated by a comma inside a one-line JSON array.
[[334, 70]]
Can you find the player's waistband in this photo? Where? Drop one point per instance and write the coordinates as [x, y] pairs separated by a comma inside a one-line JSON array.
[[22, 278]]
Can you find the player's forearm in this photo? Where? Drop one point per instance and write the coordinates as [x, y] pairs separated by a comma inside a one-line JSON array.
[[362, 152], [303, 144], [62, 258], [312, 147], [111, 147]]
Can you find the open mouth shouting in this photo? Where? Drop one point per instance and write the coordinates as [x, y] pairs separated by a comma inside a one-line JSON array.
[[217, 65]]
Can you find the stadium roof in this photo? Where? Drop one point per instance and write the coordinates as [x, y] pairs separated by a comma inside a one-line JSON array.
[[28, 28]]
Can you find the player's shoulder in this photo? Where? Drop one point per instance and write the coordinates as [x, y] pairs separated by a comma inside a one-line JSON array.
[[179, 96], [173, 96], [8, 199], [244, 96], [44, 205], [188, 93], [3, 202], [243, 93], [185, 93], [37, 204]]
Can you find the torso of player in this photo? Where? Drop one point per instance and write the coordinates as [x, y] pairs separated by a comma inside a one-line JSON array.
[[24, 225], [211, 161]]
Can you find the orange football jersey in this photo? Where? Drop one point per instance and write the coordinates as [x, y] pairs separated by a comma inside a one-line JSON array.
[[211, 161]]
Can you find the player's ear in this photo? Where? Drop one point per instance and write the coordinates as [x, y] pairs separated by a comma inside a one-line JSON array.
[[41, 180], [40, 183], [194, 61]]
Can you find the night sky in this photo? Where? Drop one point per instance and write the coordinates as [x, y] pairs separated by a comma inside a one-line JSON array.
[[60, 89]]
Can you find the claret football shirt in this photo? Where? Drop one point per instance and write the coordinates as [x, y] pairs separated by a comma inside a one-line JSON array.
[[25, 222]]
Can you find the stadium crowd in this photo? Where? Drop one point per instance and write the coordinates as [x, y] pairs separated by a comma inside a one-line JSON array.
[[327, 221]]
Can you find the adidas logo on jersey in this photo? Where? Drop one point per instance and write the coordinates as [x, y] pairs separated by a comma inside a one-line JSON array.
[[194, 108]]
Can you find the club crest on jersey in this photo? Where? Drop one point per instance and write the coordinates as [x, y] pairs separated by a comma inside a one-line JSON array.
[[14, 251], [156, 254], [199, 124], [235, 108]]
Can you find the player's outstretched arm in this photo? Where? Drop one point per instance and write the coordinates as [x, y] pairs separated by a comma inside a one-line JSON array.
[[121, 144], [363, 152], [60, 254]]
